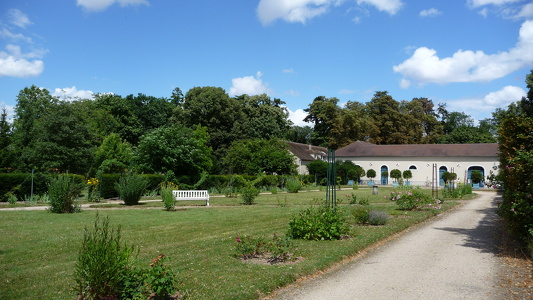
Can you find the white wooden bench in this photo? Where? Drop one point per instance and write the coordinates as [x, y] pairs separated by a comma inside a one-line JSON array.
[[192, 195]]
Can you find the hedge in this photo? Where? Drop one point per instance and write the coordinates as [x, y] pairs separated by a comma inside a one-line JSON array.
[[20, 184]]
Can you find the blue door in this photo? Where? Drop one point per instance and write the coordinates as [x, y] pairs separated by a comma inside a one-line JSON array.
[[442, 170], [384, 180]]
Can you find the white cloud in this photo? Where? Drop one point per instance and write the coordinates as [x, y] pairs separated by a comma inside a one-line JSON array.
[[5, 33], [100, 5], [389, 6], [432, 12], [478, 3], [467, 66], [347, 92], [249, 85], [15, 64], [293, 93], [297, 117], [526, 11], [289, 71], [300, 11], [72, 93], [505, 96], [18, 18]]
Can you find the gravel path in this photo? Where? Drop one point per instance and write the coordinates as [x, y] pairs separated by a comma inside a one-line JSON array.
[[452, 257]]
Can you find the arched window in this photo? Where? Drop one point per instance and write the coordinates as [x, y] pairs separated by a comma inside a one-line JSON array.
[[412, 167]]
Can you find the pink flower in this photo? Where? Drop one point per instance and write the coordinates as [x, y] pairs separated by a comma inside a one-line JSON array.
[[239, 240]]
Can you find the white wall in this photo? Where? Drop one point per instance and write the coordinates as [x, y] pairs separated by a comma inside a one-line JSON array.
[[423, 174]]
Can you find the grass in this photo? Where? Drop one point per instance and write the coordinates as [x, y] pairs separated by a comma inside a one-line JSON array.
[[39, 249]]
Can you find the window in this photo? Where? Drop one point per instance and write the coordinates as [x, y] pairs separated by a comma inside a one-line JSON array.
[[412, 167]]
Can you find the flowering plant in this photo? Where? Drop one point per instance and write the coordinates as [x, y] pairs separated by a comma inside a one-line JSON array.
[[93, 194], [413, 200]]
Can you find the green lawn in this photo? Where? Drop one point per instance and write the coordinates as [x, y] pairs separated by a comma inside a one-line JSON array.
[[39, 249]]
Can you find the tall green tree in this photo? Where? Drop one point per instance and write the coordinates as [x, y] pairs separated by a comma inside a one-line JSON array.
[[260, 117], [5, 141], [299, 134], [257, 156], [175, 150], [119, 116], [322, 112], [351, 124], [62, 140], [113, 156]]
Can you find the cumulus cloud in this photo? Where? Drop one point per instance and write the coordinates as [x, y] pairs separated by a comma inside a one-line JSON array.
[[250, 85], [297, 117], [432, 12], [72, 93], [526, 11], [505, 96], [13, 63], [300, 11], [100, 5], [424, 66], [18, 18]]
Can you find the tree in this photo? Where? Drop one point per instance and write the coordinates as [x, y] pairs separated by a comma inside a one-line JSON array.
[[62, 140], [467, 135], [114, 155], [322, 113], [260, 117], [120, 116], [175, 150], [407, 174], [351, 124], [395, 174], [299, 134], [371, 173], [257, 156], [393, 126], [5, 140], [319, 169]]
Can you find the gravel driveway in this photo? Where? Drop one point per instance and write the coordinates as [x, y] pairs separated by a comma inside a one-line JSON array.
[[450, 257]]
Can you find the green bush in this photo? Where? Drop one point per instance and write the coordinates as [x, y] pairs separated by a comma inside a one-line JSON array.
[[411, 199], [361, 214], [131, 187], [103, 262], [62, 192], [169, 201], [21, 183], [378, 217], [293, 185], [318, 223], [107, 184], [249, 194]]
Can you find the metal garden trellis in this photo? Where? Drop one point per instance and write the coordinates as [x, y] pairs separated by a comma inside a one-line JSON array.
[[331, 187]]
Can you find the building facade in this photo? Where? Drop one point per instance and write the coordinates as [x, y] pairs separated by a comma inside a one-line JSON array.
[[427, 162], [304, 154]]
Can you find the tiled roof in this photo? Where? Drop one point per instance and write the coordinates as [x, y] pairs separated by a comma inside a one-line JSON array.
[[306, 152], [365, 149]]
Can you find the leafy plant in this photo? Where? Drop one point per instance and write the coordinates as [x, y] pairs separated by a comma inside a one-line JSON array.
[[131, 187], [293, 185], [103, 262], [318, 223], [160, 279], [371, 173], [395, 174], [249, 194], [169, 201], [62, 192], [11, 198], [378, 217], [411, 199], [361, 214], [407, 174], [476, 176]]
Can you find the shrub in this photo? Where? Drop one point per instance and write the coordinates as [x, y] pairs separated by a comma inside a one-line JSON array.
[[407, 174], [293, 185], [249, 194], [411, 199], [11, 198], [476, 176], [361, 214], [102, 263], [160, 279], [378, 217], [318, 223], [131, 187], [62, 191], [169, 201], [371, 173]]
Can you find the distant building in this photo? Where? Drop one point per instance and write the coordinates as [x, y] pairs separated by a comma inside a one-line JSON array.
[[462, 159], [304, 154]]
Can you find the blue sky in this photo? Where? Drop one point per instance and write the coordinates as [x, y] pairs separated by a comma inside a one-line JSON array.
[[471, 54]]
